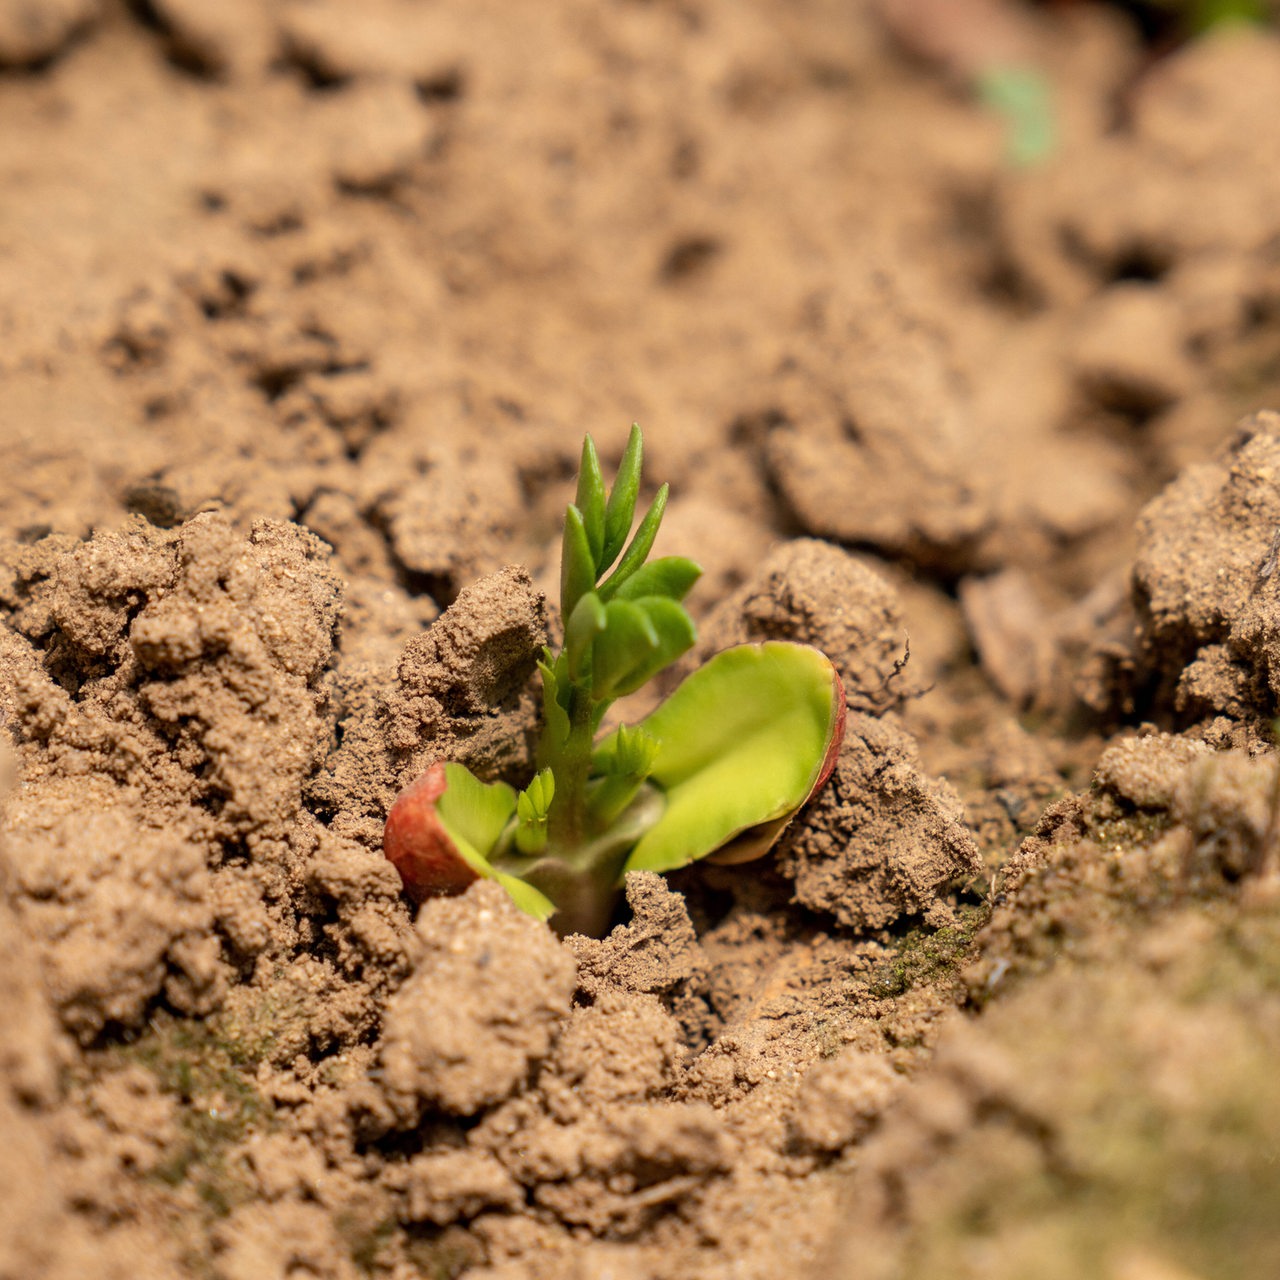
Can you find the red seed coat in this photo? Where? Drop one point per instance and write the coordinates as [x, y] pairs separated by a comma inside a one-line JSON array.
[[417, 844]]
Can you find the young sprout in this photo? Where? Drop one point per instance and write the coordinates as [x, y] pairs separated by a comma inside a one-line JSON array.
[[717, 770]]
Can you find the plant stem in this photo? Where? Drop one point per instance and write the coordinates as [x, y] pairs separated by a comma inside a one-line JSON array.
[[582, 880], [567, 820]]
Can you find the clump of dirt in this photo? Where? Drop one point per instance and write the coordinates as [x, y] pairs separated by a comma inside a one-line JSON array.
[[31, 33], [480, 1006], [842, 1098], [882, 841], [656, 952], [119, 913], [1088, 1122], [815, 593], [165, 690], [460, 691], [1083, 1118], [1208, 551], [177, 661], [843, 473]]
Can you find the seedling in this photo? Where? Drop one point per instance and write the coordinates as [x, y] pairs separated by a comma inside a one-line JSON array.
[[716, 771]]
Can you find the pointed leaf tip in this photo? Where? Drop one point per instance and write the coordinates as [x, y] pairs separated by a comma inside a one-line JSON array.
[[669, 576], [590, 501], [638, 550], [621, 508]]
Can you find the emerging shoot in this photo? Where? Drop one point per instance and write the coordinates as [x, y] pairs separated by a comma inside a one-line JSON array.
[[718, 769]]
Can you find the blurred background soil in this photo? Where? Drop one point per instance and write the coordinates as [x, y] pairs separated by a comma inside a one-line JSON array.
[[956, 329]]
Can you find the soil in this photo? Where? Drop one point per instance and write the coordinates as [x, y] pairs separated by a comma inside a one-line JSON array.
[[305, 309]]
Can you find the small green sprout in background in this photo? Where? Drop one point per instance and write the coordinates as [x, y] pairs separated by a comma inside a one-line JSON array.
[[719, 768], [1023, 97]]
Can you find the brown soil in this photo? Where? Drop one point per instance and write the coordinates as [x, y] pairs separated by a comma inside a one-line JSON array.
[[305, 307]]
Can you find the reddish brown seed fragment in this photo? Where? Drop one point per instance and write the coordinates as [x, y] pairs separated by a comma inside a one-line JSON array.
[[418, 845], [841, 709]]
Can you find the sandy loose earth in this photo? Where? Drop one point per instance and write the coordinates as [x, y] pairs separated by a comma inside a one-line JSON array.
[[305, 306]]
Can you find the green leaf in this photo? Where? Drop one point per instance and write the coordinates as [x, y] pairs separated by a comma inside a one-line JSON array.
[[639, 639], [585, 622], [624, 765], [541, 791], [533, 802], [1023, 96], [577, 565], [676, 635], [621, 509], [474, 813], [636, 554], [526, 897], [670, 576], [628, 639], [1206, 14], [532, 805], [744, 741], [631, 750], [555, 716], [670, 632], [590, 501]]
